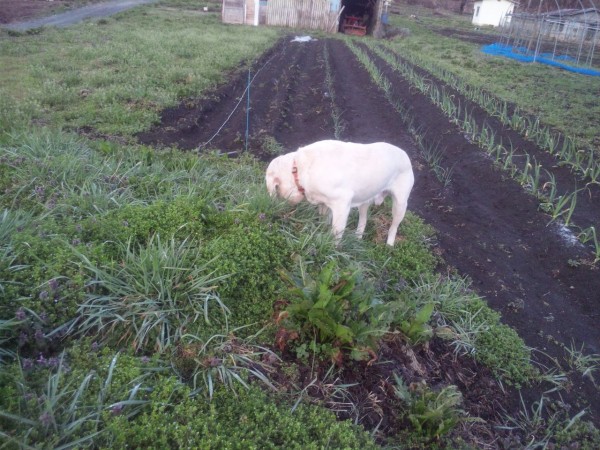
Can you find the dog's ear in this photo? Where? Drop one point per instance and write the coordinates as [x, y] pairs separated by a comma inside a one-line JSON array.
[[273, 183]]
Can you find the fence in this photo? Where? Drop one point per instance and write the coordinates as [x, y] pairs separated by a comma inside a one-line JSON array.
[[308, 14], [568, 36]]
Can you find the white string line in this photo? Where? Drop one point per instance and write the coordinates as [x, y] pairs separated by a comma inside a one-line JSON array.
[[238, 103]]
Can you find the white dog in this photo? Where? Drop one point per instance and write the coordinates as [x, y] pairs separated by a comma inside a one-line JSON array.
[[342, 175]]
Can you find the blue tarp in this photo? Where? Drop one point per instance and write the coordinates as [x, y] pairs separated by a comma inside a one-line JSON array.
[[524, 55]]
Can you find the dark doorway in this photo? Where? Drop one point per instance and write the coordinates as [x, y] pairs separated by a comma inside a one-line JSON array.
[[358, 17]]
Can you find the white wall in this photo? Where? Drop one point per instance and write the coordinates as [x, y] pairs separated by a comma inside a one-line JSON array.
[[491, 12]]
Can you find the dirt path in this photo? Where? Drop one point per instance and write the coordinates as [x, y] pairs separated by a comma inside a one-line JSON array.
[[77, 15], [489, 229]]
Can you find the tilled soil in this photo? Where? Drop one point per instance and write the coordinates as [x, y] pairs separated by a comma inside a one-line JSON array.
[[489, 229]]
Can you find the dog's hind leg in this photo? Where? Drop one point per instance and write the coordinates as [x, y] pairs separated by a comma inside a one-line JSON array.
[[363, 211], [399, 195], [398, 212]]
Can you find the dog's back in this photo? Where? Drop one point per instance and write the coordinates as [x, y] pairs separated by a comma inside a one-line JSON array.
[[363, 171]]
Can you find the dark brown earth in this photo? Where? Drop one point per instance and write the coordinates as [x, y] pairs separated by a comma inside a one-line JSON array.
[[489, 229], [370, 400]]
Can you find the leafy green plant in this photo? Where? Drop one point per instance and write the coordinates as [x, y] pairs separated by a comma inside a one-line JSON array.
[[271, 147], [564, 207], [54, 174], [574, 429], [587, 365], [85, 195], [409, 259], [473, 327], [51, 404], [431, 413], [222, 359], [45, 280], [10, 222], [180, 218], [533, 423], [8, 266], [589, 235], [7, 332], [332, 311], [247, 419], [433, 155], [416, 329], [503, 350], [541, 426], [466, 329], [248, 249], [339, 124], [155, 295]]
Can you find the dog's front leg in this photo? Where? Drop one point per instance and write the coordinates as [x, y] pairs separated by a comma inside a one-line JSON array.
[[339, 218], [324, 210], [363, 212]]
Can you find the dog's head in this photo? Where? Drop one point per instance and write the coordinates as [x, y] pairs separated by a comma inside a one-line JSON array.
[[280, 179]]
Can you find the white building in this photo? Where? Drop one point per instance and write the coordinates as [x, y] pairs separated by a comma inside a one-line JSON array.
[[492, 12]]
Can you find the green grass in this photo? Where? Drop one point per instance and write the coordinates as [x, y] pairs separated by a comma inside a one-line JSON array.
[[116, 74]]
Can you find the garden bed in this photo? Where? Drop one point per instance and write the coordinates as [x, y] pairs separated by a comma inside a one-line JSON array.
[[489, 228]]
